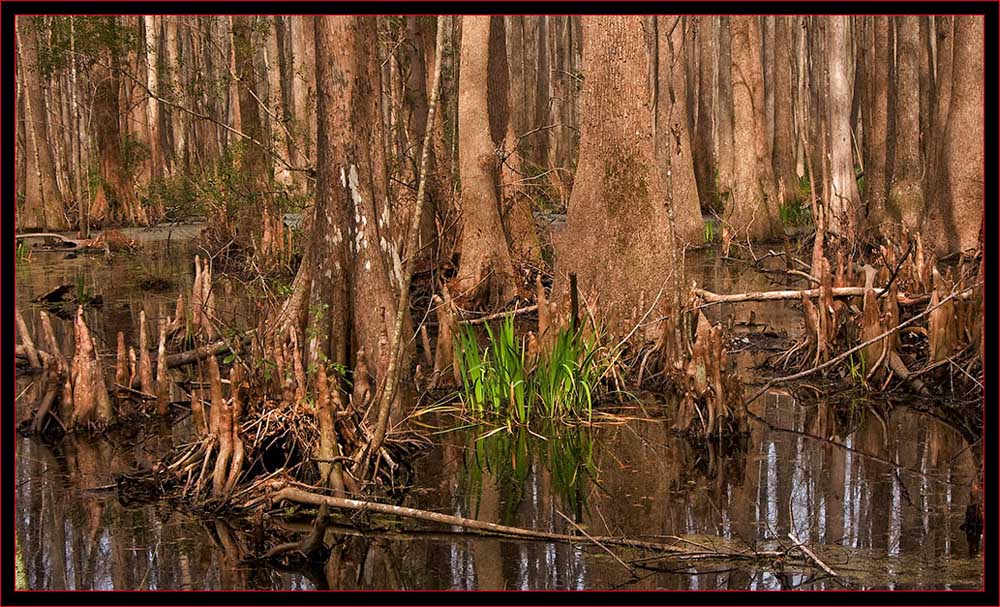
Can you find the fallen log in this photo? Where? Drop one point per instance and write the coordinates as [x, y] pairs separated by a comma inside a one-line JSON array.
[[485, 319], [795, 294], [75, 244], [200, 353], [301, 496]]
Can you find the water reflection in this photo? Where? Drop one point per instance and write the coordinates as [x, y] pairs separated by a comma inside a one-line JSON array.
[[880, 526]]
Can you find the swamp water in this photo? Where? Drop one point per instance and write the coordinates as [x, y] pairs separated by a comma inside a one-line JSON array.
[[878, 526]]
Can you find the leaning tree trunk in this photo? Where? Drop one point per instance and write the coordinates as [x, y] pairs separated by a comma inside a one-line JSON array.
[[617, 237], [906, 195], [754, 206], [844, 196], [672, 136], [486, 272]]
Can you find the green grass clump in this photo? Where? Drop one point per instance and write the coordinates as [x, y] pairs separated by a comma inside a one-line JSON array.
[[22, 252], [494, 380], [566, 375], [499, 381], [795, 213]]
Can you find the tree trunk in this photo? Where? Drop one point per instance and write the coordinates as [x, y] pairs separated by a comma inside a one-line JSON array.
[[486, 271], [257, 216], [115, 194], [784, 132], [671, 133], [724, 115], [43, 204], [151, 29], [175, 118], [844, 197], [927, 85], [942, 98], [767, 30], [906, 195], [960, 177], [303, 81], [703, 148], [876, 178], [346, 282], [617, 237], [754, 208], [540, 151]]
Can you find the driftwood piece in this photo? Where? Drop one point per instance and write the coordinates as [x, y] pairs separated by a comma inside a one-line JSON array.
[[301, 496]]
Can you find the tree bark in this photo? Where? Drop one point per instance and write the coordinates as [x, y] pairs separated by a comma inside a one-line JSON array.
[[906, 195], [486, 271], [703, 147], [844, 197], [724, 115], [672, 136], [784, 132], [960, 178], [617, 238], [754, 206], [876, 178], [257, 216], [43, 204]]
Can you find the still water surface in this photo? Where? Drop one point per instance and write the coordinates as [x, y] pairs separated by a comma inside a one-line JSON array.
[[879, 526]]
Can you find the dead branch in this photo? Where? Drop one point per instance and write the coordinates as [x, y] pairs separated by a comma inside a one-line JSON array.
[[795, 294], [485, 319]]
